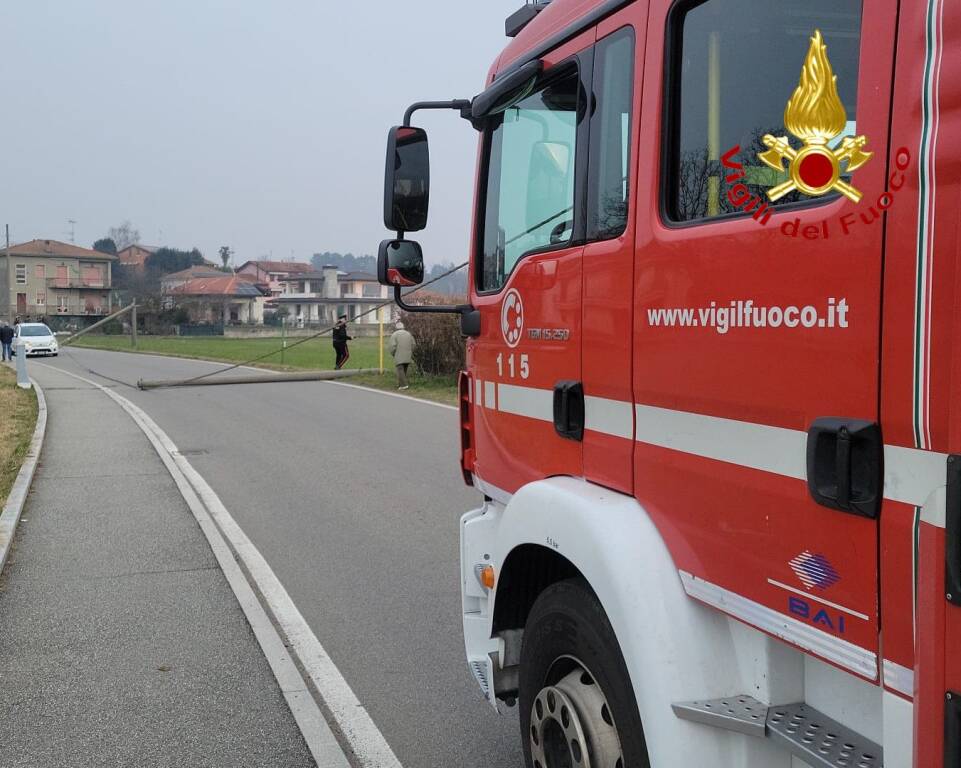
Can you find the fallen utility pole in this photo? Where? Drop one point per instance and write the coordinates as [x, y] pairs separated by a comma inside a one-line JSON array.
[[265, 378], [70, 339]]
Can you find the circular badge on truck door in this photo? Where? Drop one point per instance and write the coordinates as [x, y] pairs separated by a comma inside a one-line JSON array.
[[512, 318]]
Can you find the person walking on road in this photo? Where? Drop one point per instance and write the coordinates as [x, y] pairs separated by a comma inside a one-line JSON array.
[[6, 339], [340, 341], [401, 346]]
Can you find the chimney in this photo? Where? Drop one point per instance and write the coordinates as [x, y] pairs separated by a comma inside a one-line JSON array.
[[331, 286]]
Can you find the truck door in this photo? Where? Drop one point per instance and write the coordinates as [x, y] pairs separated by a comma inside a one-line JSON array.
[[609, 253], [527, 279], [755, 319]]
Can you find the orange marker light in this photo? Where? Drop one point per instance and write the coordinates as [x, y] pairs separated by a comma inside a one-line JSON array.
[[486, 576]]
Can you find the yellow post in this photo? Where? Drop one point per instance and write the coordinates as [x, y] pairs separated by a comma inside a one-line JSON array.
[[380, 323], [713, 121]]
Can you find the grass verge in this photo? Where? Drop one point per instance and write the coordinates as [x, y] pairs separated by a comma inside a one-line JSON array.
[[312, 355], [18, 417]]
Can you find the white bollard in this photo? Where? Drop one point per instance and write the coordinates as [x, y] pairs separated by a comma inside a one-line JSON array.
[[23, 381]]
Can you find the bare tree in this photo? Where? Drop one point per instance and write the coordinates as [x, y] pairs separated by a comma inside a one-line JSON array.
[[124, 235]]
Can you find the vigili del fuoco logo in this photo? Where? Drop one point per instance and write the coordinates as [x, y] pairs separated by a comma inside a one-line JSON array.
[[816, 117]]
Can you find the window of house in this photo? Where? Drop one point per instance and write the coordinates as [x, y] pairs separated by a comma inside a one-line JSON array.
[[21, 274], [344, 289], [608, 192], [371, 291], [41, 298], [529, 198], [40, 271], [732, 68], [61, 303]]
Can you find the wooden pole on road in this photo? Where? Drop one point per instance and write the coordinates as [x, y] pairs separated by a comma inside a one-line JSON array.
[[265, 378]]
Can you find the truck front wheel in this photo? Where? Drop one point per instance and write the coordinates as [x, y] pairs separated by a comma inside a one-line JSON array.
[[577, 706]]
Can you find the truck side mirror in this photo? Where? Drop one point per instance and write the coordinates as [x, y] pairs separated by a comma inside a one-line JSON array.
[[406, 179], [400, 263]]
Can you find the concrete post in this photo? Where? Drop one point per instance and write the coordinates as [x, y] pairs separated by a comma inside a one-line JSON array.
[[23, 380], [133, 326]]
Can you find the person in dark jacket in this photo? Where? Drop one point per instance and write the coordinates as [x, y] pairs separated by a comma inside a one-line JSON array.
[[6, 339], [340, 341]]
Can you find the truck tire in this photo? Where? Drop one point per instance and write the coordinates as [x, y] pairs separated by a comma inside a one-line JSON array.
[[577, 705]]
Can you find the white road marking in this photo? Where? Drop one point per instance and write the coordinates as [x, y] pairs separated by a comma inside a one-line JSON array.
[[392, 394], [365, 739]]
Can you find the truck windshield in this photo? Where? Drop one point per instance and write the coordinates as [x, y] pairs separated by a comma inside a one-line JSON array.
[[530, 179]]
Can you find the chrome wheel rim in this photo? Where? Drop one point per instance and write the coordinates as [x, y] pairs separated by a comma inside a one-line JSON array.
[[572, 725]]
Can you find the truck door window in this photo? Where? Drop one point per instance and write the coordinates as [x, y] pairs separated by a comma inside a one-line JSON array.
[[530, 179], [608, 192], [732, 66]]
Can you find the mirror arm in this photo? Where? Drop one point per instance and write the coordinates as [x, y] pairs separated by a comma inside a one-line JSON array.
[[462, 105], [446, 309]]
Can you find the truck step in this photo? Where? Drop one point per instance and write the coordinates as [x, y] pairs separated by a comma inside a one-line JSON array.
[[743, 714], [803, 731]]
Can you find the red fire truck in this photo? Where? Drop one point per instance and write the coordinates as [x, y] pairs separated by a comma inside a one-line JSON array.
[[713, 298]]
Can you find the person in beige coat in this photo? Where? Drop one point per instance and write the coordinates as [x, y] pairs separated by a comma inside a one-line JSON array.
[[401, 346]]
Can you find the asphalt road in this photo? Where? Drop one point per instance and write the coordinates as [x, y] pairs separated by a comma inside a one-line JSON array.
[[353, 497]]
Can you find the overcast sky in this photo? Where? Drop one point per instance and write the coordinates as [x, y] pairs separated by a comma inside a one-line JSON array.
[[258, 124]]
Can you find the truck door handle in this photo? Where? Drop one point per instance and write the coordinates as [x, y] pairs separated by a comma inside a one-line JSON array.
[[844, 465], [569, 409], [952, 540], [952, 729]]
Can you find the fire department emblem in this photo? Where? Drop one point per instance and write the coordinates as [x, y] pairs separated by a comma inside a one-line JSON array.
[[512, 318], [814, 570], [816, 116]]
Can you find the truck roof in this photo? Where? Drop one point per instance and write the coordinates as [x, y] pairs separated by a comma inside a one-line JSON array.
[[558, 15]]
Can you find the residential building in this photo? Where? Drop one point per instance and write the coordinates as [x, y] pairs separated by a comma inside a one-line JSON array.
[[273, 273], [222, 299], [319, 298], [135, 255], [45, 278], [175, 279]]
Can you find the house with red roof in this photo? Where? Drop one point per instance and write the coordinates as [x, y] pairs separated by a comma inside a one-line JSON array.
[[218, 299], [46, 278]]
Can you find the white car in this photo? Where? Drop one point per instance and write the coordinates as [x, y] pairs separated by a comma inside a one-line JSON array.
[[37, 339]]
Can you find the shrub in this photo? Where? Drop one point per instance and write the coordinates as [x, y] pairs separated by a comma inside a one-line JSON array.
[[440, 345]]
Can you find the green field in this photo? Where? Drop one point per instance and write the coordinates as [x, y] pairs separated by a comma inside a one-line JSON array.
[[314, 354]]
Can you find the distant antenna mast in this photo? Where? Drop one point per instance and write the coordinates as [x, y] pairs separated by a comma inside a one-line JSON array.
[[73, 230]]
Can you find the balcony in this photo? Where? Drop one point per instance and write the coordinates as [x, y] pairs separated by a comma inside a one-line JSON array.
[[74, 309], [76, 283]]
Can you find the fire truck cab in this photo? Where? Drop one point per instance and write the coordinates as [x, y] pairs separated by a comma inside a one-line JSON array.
[[707, 394]]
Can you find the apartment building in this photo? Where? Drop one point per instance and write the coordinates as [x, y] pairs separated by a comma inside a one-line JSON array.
[[47, 278]]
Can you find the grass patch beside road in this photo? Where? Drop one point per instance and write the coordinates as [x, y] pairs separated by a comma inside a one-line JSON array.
[[18, 417], [313, 355]]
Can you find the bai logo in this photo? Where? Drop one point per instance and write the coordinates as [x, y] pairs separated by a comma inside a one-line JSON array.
[[814, 116], [512, 318]]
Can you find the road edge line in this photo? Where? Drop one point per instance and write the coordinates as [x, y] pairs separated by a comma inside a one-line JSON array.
[[359, 730], [17, 498], [423, 400]]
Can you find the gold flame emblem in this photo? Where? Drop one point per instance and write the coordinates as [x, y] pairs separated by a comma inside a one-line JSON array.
[[815, 115]]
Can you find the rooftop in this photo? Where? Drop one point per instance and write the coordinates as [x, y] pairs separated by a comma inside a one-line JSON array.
[[289, 267], [56, 248], [225, 285]]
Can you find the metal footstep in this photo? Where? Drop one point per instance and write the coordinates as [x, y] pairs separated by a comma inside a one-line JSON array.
[[806, 733]]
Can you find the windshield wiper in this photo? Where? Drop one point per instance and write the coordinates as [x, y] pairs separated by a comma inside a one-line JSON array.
[[548, 220]]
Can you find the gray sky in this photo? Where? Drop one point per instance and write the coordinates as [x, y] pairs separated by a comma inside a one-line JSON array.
[[259, 125]]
